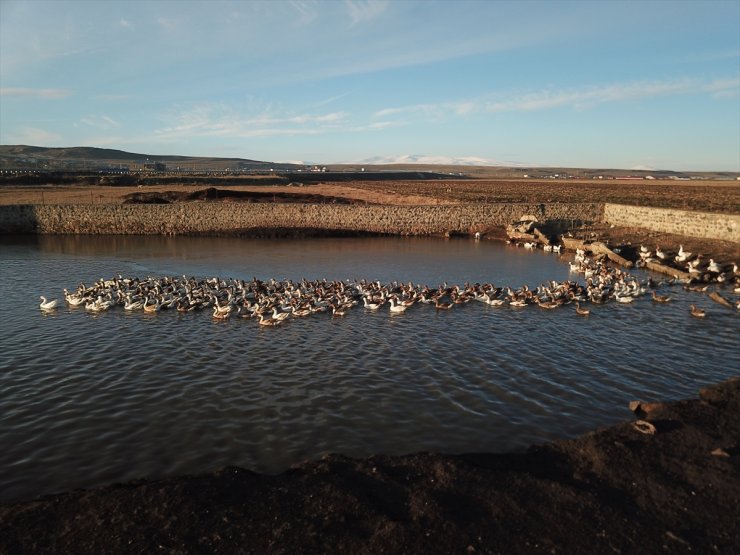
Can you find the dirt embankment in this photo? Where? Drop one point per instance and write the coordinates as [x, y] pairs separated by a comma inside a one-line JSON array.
[[669, 483], [712, 196]]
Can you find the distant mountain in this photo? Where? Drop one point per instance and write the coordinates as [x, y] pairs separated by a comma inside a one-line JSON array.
[[80, 157], [422, 159]]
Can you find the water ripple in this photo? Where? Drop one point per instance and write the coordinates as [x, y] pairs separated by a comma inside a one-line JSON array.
[[89, 399]]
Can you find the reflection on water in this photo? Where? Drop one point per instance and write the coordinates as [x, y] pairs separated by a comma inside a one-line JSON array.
[[90, 399]]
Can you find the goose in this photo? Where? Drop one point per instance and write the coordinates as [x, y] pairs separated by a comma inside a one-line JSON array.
[[151, 308], [582, 311], [73, 300], [396, 308], [682, 255], [661, 298], [219, 314], [372, 305], [698, 312], [132, 305], [714, 267], [546, 304], [337, 311], [557, 248], [517, 302], [267, 321], [626, 299], [442, 306], [659, 253], [279, 316], [48, 305]]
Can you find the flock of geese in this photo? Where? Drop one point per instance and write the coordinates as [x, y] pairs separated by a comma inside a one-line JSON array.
[[695, 264], [272, 302]]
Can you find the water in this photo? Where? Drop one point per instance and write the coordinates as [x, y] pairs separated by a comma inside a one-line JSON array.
[[94, 399]]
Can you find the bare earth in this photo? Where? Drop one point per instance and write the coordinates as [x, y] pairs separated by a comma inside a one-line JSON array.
[[617, 490], [712, 196]]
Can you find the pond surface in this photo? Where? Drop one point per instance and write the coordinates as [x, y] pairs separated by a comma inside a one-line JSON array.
[[92, 399]]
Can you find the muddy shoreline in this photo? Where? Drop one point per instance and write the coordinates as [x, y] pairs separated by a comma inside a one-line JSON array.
[[615, 489]]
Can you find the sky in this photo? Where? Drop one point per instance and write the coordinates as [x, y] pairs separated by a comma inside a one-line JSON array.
[[593, 84]]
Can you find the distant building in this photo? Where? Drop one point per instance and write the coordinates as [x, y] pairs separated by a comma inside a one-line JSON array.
[[155, 166]]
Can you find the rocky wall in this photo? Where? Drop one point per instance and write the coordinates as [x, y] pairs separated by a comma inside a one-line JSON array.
[[681, 222], [209, 218]]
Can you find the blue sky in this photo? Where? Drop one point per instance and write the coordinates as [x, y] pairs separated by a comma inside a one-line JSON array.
[[599, 84]]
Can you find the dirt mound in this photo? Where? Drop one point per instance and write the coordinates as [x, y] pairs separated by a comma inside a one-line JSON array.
[[668, 483], [228, 195]]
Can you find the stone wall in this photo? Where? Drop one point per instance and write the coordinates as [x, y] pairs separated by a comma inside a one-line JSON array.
[[215, 217], [205, 218], [681, 222]]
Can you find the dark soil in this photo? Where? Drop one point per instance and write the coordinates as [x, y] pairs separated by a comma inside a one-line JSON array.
[[228, 195], [613, 490]]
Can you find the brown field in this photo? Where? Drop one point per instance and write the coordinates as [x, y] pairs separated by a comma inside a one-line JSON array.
[[710, 196]]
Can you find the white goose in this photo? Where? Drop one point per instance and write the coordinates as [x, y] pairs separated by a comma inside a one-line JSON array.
[[279, 316], [397, 308], [372, 305], [48, 305], [682, 255], [73, 300], [714, 267]]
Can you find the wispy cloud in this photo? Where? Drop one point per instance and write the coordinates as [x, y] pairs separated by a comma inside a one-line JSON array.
[[49, 94], [587, 98], [307, 12], [31, 136], [577, 99], [100, 122], [360, 11], [169, 24], [217, 120]]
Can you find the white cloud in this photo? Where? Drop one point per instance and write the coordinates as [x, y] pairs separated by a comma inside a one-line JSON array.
[[49, 94]]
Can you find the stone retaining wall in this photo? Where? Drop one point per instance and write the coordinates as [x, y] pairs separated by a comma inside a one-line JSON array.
[[681, 222], [213, 217], [204, 218]]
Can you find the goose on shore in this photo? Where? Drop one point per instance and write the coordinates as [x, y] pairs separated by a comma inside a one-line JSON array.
[[714, 267]]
